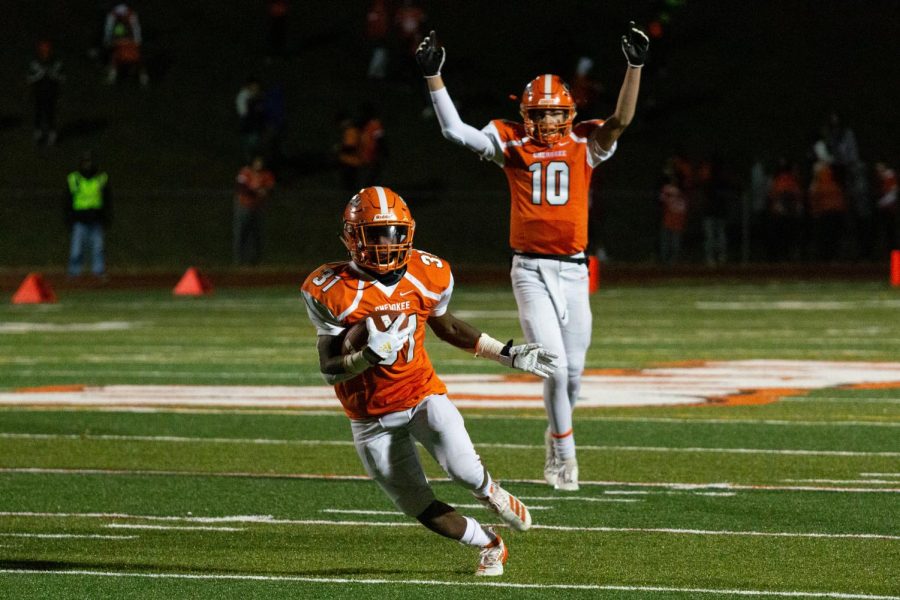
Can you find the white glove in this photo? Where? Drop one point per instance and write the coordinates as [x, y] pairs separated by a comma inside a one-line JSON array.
[[385, 344], [531, 358]]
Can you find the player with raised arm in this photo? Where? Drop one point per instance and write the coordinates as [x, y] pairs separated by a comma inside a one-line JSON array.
[[388, 386], [548, 160]]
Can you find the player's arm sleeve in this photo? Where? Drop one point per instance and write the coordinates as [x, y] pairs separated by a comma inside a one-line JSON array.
[[321, 317], [453, 128], [596, 153], [441, 307], [328, 328]]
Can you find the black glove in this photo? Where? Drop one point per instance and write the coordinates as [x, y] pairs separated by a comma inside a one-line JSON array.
[[635, 45], [429, 56]]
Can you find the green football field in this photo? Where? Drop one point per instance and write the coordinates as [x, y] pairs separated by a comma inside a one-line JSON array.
[[785, 490]]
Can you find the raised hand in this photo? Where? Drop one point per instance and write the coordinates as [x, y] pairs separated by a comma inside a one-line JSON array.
[[635, 45], [430, 56]]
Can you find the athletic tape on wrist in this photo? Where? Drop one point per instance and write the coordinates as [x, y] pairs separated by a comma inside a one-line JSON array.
[[488, 347], [355, 362]]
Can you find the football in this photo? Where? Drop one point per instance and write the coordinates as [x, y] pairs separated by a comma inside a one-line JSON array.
[[357, 335]]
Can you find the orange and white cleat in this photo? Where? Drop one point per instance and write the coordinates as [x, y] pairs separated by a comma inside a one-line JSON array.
[[492, 558], [508, 507]]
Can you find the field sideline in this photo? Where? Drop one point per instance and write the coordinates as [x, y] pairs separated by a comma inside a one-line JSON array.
[[792, 495]]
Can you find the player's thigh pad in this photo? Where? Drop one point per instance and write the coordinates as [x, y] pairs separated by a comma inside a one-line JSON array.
[[439, 427], [390, 458], [573, 280], [537, 314]]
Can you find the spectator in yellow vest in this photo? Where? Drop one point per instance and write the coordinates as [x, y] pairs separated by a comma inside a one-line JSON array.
[[88, 212]]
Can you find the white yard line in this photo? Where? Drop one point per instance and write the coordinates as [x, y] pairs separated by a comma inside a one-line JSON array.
[[534, 416], [802, 423], [577, 499], [100, 515], [175, 527], [270, 520], [711, 532], [458, 584], [582, 447], [841, 400], [845, 481], [395, 513], [719, 486], [690, 420], [89, 536], [177, 439]]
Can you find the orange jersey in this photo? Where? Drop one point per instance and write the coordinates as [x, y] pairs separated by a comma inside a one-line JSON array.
[[548, 187], [337, 297]]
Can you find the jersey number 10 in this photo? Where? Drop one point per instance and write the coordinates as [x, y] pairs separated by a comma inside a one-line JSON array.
[[551, 183]]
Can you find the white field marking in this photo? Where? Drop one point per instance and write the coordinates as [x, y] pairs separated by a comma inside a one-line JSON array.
[[161, 374], [880, 474], [690, 420], [316, 476], [704, 450], [177, 410], [785, 534], [595, 529], [797, 305], [659, 386], [21, 327], [667, 492], [248, 410], [487, 314], [172, 527], [267, 441], [718, 486], [461, 584], [269, 520], [188, 518], [90, 536], [348, 511], [176, 439], [575, 499], [391, 513], [844, 481], [842, 400]]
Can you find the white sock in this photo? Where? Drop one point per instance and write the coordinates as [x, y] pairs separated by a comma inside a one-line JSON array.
[[485, 490], [475, 534], [564, 446]]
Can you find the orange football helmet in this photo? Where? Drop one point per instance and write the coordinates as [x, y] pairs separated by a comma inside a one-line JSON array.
[[378, 229], [547, 92]]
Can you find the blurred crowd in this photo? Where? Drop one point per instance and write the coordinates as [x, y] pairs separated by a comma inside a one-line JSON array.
[[826, 206]]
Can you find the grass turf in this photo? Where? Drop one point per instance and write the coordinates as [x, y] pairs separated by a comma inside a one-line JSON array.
[[638, 532]]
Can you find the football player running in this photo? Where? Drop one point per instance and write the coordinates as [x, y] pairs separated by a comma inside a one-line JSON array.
[[548, 160], [389, 388]]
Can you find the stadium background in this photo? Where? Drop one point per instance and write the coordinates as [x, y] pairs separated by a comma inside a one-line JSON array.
[[743, 79]]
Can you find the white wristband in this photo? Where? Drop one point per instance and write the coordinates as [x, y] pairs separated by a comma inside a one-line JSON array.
[[488, 347]]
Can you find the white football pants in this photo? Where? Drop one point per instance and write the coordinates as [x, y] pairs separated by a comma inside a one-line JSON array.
[[387, 448], [554, 309]]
